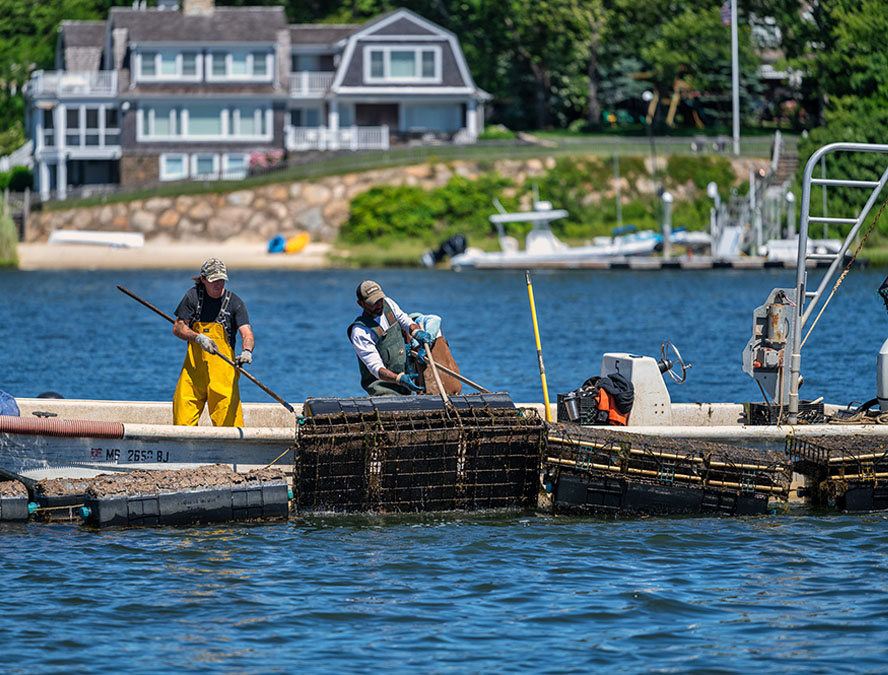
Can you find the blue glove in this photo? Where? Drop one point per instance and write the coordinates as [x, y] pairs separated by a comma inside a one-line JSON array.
[[421, 355], [409, 381], [423, 337]]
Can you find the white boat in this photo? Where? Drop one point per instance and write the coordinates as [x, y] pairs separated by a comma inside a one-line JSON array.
[[98, 238], [543, 249], [787, 250]]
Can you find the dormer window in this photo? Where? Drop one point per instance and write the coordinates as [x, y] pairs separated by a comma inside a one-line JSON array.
[[241, 66], [168, 65], [402, 64]]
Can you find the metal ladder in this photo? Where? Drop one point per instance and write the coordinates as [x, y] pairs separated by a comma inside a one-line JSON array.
[[807, 301]]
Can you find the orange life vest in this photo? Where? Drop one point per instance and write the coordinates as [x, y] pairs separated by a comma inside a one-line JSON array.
[[614, 416]]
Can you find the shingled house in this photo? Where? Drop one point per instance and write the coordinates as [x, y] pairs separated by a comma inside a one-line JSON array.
[[162, 93]]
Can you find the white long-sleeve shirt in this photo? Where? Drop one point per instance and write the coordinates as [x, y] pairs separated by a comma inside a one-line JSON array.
[[364, 340]]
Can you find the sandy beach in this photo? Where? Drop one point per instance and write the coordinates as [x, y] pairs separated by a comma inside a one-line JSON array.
[[169, 255]]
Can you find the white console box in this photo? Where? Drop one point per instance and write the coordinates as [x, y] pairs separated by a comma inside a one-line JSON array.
[[652, 406]]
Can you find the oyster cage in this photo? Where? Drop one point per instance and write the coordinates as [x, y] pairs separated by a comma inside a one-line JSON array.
[[758, 414], [599, 470], [477, 458], [849, 472]]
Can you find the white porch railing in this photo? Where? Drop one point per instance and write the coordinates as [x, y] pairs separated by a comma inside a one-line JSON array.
[[87, 83], [308, 83], [346, 138]]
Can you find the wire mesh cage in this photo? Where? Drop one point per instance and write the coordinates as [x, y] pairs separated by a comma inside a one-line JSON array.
[[609, 470], [412, 461]]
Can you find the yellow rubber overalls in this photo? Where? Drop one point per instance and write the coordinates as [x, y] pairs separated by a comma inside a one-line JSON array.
[[207, 379]]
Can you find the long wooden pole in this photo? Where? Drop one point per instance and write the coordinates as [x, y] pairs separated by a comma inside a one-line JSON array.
[[447, 404], [459, 377], [536, 332], [224, 358]]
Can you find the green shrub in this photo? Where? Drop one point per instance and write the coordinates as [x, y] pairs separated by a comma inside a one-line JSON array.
[[582, 185], [389, 213], [4, 180], [8, 238], [700, 171], [497, 132], [848, 119], [20, 178]]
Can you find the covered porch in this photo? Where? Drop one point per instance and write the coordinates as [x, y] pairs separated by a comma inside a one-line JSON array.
[[375, 124]]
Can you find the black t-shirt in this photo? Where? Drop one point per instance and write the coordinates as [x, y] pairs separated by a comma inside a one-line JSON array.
[[210, 310]]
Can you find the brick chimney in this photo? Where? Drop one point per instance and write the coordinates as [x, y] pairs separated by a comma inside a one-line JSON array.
[[192, 7]]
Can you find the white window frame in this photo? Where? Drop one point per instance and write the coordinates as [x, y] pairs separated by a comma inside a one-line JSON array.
[[145, 123], [178, 76], [229, 121], [249, 76], [161, 169], [211, 176], [227, 173], [417, 61], [262, 117]]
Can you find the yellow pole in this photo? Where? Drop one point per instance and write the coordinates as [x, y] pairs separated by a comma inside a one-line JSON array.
[[536, 332]]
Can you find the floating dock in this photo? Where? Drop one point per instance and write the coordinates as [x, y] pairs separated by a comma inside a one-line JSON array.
[[207, 494], [658, 263]]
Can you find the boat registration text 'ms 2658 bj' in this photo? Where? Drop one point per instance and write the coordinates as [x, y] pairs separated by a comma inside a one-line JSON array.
[[477, 451]]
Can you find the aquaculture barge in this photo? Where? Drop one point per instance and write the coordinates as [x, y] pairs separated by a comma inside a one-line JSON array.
[[481, 451]]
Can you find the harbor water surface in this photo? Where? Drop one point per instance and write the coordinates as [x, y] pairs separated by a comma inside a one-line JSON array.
[[443, 592]]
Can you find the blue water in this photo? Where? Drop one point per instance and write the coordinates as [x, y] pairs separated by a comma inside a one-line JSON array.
[[75, 333], [442, 593]]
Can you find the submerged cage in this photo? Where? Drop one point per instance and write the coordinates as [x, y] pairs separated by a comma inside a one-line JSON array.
[[849, 472], [419, 460], [601, 470]]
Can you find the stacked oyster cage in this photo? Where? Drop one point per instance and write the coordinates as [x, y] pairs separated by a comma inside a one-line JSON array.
[[421, 460], [605, 471], [849, 472]]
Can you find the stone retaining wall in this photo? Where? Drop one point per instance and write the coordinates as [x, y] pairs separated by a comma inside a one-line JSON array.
[[318, 207]]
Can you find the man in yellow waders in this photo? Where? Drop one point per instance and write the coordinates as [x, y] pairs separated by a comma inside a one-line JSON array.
[[209, 319], [377, 336]]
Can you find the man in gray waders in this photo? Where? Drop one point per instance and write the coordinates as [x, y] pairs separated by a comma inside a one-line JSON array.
[[379, 343]]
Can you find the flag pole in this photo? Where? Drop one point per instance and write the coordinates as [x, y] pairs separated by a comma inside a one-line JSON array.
[[735, 77]]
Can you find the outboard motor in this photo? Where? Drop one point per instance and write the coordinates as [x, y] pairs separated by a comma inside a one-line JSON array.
[[882, 377], [453, 246]]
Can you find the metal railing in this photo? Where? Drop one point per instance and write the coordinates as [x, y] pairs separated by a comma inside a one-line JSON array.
[[80, 83], [345, 138], [310, 83], [807, 301]]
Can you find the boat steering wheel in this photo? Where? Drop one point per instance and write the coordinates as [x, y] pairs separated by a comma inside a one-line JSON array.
[[666, 364]]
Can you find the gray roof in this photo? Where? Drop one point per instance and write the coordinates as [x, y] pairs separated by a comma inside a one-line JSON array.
[[84, 33], [320, 33], [225, 24], [403, 26]]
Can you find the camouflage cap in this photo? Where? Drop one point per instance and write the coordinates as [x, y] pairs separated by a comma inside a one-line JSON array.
[[370, 292], [214, 270]]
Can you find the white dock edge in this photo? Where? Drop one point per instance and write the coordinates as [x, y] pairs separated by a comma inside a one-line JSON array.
[[167, 431], [150, 412]]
